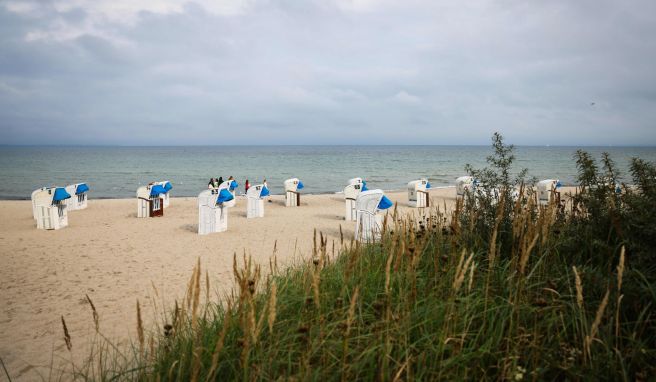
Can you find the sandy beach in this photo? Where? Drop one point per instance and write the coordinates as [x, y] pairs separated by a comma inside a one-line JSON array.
[[115, 258]]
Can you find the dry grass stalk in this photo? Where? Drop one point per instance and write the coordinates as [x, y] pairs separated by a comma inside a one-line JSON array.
[[151, 346], [471, 277], [579, 288], [351, 311], [195, 368], [341, 236], [96, 320], [67, 336], [597, 321], [173, 365], [461, 271], [620, 273], [140, 329], [460, 262], [388, 269], [547, 221], [196, 295], [219, 345], [526, 252], [316, 282], [272, 306], [620, 270], [493, 241], [207, 286]]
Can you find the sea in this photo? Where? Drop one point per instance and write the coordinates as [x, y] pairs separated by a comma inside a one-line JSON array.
[[116, 172]]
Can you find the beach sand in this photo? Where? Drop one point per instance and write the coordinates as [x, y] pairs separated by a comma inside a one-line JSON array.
[[115, 258]]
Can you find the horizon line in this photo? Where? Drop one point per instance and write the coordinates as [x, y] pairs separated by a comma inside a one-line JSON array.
[[322, 145]]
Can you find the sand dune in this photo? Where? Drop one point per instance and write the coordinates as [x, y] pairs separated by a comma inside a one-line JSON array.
[[116, 258]]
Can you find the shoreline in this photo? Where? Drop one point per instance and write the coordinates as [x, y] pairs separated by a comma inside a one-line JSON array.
[[17, 199], [241, 194]]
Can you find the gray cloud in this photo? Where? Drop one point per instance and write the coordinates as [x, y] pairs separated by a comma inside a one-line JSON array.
[[349, 72]]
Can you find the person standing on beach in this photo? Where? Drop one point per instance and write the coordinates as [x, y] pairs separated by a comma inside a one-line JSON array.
[[220, 180], [210, 184], [246, 186]]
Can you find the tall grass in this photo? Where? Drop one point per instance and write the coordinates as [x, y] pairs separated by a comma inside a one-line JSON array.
[[418, 304]]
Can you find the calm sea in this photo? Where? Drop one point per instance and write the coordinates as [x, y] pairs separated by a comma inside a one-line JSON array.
[[116, 172]]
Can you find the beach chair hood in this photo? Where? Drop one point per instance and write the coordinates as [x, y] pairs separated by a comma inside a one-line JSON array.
[[224, 196], [372, 201], [60, 194], [157, 190], [264, 192], [293, 185], [384, 203], [81, 188], [257, 191]]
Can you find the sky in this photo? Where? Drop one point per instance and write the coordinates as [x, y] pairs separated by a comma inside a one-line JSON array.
[[239, 72]]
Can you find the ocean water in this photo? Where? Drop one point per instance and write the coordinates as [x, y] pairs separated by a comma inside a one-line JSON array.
[[116, 172]]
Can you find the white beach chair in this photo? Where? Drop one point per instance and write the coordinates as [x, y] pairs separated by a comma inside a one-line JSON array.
[[51, 209], [233, 185], [368, 223], [351, 192], [547, 190], [78, 199], [213, 205], [292, 196], [150, 202], [465, 184], [418, 193], [33, 198], [255, 201], [229, 185], [166, 196]]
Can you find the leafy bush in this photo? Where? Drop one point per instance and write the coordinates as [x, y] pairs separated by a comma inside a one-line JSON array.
[[487, 213]]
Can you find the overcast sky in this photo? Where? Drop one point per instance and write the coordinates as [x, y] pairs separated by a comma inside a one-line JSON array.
[[156, 72]]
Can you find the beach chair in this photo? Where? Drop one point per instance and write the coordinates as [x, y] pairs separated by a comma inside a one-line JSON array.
[[292, 196], [368, 223], [33, 198], [150, 202], [213, 205], [166, 196], [465, 184], [255, 201], [50, 207], [351, 192], [78, 199], [233, 187], [547, 191], [230, 185], [418, 193]]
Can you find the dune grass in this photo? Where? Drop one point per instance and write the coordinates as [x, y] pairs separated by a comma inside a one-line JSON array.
[[420, 305]]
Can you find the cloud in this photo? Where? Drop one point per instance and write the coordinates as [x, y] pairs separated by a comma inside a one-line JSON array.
[[404, 97], [341, 71]]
